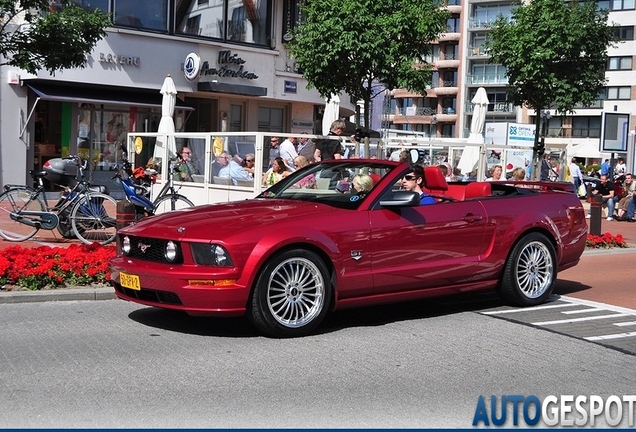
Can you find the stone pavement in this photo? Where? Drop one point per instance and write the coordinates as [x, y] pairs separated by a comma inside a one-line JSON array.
[[617, 294]]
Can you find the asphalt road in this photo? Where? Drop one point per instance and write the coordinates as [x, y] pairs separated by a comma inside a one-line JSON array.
[[97, 364]]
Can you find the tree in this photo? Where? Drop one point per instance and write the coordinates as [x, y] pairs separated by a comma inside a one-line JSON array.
[[351, 45], [41, 34], [555, 53]]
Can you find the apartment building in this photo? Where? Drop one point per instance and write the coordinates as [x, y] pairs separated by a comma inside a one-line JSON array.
[[227, 58], [461, 67]]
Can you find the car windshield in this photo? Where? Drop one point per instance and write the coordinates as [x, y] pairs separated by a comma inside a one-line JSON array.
[[344, 185]]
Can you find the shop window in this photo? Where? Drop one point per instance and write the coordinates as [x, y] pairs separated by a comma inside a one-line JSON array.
[[147, 14]]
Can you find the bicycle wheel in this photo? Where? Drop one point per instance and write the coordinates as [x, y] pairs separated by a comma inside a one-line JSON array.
[[93, 218], [11, 202], [171, 202]]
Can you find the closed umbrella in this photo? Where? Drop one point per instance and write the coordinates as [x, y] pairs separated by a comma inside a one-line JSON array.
[[331, 114], [166, 124], [470, 155]]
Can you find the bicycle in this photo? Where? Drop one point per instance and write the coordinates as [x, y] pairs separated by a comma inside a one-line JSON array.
[[82, 211], [138, 192]]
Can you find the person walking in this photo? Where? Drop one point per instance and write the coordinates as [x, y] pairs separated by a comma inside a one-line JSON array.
[[576, 176]]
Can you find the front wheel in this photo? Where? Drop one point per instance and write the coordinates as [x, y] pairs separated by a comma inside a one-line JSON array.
[[292, 294], [171, 202], [530, 271], [12, 203], [93, 218]]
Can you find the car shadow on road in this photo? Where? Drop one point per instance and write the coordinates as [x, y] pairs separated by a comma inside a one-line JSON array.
[[565, 287], [233, 327]]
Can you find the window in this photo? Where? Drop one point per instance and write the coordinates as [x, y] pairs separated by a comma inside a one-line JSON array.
[[270, 119], [586, 127], [147, 14], [624, 33], [245, 22], [619, 93], [92, 5], [451, 52], [485, 15], [236, 118], [619, 63], [453, 24], [617, 5]]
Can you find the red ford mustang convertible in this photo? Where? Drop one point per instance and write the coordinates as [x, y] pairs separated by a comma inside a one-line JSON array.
[[343, 234]]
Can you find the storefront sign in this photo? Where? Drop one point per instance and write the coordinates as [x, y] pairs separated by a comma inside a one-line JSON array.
[[226, 67], [119, 59]]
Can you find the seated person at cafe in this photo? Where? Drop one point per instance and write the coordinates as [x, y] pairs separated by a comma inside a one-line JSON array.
[[414, 181], [234, 171]]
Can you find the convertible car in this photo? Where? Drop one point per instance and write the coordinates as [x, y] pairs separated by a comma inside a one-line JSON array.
[[344, 234]]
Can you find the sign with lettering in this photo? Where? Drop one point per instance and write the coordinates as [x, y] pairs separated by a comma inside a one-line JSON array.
[[119, 59], [290, 86], [228, 65]]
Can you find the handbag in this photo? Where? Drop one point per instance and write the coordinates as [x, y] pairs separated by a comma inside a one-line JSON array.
[[582, 190]]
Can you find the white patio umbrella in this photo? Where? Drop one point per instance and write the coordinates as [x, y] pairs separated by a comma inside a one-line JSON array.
[[331, 114], [470, 155], [166, 124]]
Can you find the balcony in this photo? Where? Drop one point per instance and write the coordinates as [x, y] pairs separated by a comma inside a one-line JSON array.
[[477, 51], [447, 64], [496, 79], [450, 36], [449, 88]]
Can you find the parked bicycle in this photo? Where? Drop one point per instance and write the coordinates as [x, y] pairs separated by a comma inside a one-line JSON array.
[[137, 186], [83, 211]]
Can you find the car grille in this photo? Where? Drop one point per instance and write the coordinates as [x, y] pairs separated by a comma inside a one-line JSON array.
[[150, 249], [150, 295]]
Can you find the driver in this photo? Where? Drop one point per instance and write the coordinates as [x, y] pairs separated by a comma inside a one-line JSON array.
[[413, 181]]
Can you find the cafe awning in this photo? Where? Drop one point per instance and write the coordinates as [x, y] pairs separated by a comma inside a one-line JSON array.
[[106, 95]]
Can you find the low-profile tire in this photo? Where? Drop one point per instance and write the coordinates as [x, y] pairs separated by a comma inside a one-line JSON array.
[[530, 271], [292, 294]]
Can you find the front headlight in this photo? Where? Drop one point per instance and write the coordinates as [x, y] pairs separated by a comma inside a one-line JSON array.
[[125, 245], [211, 254], [172, 251]]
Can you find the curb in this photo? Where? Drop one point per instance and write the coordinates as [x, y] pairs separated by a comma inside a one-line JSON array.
[[59, 294]]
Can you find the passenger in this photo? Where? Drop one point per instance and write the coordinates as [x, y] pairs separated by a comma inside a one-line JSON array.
[[220, 161], [413, 181], [362, 184], [248, 163]]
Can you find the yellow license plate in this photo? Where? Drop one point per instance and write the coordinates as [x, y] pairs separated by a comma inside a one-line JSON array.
[[129, 281]]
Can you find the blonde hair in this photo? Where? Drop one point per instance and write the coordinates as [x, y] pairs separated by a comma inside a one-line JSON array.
[[300, 161], [518, 173], [365, 182]]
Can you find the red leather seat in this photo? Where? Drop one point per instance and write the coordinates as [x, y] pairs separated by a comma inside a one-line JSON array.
[[375, 177], [434, 180], [478, 190]]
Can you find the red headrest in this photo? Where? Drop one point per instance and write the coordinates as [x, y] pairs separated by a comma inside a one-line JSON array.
[[375, 177], [434, 179]]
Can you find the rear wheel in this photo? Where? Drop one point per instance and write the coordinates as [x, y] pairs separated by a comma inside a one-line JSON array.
[[93, 218], [292, 294], [11, 203], [530, 271], [171, 202]]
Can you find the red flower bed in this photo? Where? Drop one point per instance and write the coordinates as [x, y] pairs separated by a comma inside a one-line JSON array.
[[47, 267], [606, 240]]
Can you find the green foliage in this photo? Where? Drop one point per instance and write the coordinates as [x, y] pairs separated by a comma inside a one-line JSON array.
[[33, 39], [351, 44], [555, 53]]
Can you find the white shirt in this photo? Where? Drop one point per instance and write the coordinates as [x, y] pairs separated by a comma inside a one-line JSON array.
[[288, 152], [620, 168], [234, 171], [575, 172]]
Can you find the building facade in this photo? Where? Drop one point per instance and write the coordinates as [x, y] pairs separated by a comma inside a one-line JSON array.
[[461, 66], [227, 58]]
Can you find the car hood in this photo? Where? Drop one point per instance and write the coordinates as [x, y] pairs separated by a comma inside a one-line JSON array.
[[234, 217]]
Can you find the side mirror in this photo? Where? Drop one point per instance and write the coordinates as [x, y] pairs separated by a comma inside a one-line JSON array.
[[402, 199]]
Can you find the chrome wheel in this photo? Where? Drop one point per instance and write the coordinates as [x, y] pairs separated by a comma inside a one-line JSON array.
[[530, 271], [292, 294], [296, 291], [535, 269]]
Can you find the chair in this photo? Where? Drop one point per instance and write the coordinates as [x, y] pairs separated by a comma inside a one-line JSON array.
[[375, 177], [197, 178], [246, 183], [435, 183], [222, 181]]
